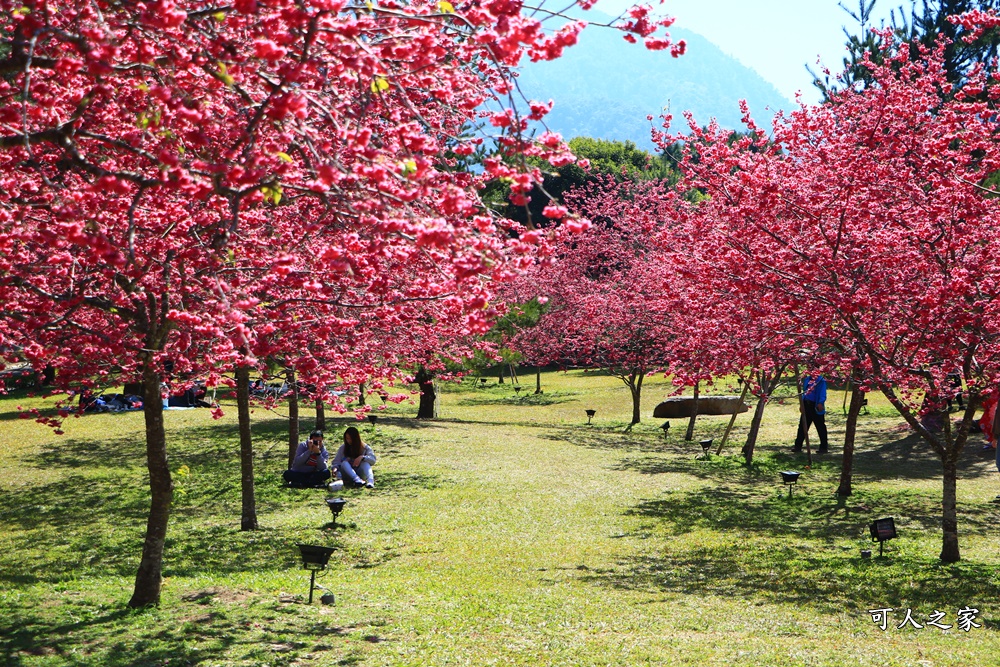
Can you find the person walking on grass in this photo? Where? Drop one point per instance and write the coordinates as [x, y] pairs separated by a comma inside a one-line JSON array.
[[813, 412], [354, 460]]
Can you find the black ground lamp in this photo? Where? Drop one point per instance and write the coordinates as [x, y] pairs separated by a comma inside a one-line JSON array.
[[314, 559], [482, 381], [706, 444], [373, 419], [882, 530], [336, 506], [790, 477], [590, 415], [517, 390], [665, 427]]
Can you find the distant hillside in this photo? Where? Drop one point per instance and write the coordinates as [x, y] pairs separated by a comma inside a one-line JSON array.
[[604, 87]]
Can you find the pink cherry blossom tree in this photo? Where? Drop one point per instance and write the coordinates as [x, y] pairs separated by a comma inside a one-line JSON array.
[[163, 162], [867, 217], [609, 304]]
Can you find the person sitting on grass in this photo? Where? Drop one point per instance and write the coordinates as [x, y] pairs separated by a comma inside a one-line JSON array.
[[309, 467], [354, 460]]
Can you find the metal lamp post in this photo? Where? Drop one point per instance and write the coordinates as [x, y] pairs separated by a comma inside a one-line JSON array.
[[706, 445], [790, 477], [336, 506], [882, 530], [314, 559]]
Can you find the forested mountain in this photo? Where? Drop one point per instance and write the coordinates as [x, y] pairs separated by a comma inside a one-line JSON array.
[[604, 87]]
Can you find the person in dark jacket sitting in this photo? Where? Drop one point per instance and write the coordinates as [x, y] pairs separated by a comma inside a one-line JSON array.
[[310, 465]]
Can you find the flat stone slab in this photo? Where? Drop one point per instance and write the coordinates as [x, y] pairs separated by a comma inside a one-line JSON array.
[[683, 406]]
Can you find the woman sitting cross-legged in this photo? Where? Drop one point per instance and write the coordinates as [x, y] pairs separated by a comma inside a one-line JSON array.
[[354, 460], [309, 466]]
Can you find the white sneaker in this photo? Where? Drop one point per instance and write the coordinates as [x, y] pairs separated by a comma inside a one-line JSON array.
[[336, 485]]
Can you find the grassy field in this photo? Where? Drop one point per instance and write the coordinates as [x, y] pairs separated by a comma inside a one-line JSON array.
[[508, 532]]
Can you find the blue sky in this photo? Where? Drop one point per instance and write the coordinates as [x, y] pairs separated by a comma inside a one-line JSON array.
[[777, 38]]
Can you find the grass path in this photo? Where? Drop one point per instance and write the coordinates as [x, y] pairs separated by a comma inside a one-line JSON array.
[[506, 533]]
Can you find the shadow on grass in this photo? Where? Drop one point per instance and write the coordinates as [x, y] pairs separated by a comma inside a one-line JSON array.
[[213, 446], [197, 630], [485, 422], [92, 519], [736, 507], [60, 536], [270, 439], [833, 581], [26, 638], [617, 439], [879, 455], [518, 399], [911, 457], [802, 550], [109, 543]]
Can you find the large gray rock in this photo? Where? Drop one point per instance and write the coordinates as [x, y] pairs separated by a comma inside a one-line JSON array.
[[683, 406]]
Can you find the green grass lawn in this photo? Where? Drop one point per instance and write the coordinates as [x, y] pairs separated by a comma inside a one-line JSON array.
[[508, 532]]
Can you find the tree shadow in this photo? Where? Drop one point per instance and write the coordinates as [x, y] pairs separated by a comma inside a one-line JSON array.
[[636, 440], [765, 470], [519, 399], [92, 517], [911, 457], [74, 454], [209, 630], [30, 635], [879, 455], [202, 537], [735, 507], [832, 581], [487, 422], [805, 551]]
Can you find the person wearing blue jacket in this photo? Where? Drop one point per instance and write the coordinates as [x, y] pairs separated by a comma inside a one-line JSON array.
[[310, 465], [813, 412]]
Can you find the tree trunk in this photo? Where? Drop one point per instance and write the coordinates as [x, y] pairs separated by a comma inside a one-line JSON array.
[[635, 386], [538, 379], [758, 417], [732, 420], [361, 394], [500, 380], [428, 396], [694, 415], [161, 487], [847, 467], [513, 374], [949, 515], [949, 451], [248, 520], [320, 415], [293, 415]]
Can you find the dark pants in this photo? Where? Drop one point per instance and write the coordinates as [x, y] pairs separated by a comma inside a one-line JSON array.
[[307, 479], [809, 417]]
